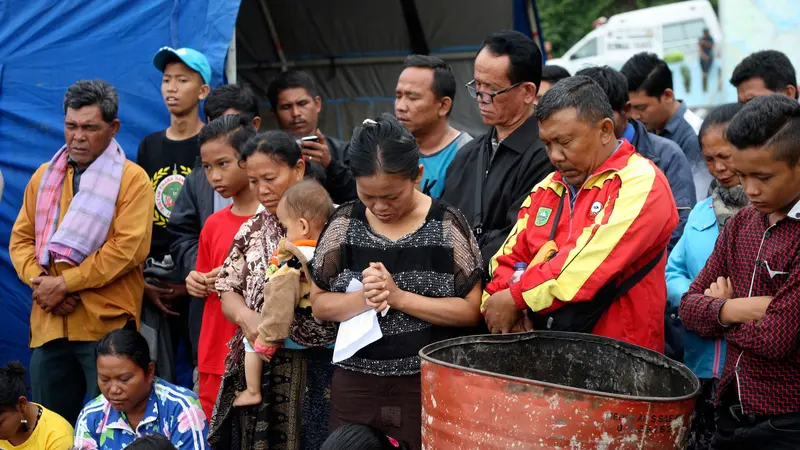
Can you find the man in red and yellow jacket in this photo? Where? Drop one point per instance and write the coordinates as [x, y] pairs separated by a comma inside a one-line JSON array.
[[592, 234]]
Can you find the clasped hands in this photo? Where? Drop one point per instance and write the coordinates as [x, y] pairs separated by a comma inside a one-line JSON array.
[[503, 316], [380, 290], [737, 310], [50, 293]]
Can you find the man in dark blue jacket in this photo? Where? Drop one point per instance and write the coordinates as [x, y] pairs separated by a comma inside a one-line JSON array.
[[666, 154], [192, 210]]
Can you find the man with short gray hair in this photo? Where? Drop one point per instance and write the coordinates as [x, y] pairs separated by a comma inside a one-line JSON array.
[[79, 240], [591, 235]]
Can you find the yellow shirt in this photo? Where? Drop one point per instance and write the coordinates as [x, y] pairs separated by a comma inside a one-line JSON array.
[[109, 281], [51, 433]]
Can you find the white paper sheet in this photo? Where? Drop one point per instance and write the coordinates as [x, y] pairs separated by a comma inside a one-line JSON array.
[[356, 332]]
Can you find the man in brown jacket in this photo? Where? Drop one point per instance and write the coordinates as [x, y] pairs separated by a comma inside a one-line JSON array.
[[79, 241]]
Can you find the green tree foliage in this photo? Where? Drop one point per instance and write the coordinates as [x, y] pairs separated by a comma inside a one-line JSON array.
[[565, 22]]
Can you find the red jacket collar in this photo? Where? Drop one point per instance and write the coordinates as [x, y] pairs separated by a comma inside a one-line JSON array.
[[614, 163]]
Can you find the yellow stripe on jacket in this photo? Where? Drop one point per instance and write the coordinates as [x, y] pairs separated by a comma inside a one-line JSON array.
[[617, 217]]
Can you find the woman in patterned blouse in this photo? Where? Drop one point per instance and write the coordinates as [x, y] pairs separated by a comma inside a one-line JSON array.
[[135, 403], [416, 257], [295, 409]]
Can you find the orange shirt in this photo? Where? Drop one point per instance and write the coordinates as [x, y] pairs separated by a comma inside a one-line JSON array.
[[109, 282]]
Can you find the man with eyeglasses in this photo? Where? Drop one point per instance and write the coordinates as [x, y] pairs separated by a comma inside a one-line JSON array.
[[492, 175], [593, 234]]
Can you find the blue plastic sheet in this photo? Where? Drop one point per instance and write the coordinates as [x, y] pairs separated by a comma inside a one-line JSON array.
[[47, 46]]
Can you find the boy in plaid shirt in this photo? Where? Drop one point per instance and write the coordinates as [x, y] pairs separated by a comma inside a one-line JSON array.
[[749, 290]]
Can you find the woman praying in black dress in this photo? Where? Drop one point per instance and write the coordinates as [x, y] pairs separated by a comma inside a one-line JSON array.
[[416, 256]]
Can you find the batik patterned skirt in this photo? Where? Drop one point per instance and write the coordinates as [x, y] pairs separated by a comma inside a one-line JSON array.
[[294, 413]]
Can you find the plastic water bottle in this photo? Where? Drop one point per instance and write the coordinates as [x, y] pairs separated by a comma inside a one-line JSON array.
[[519, 269]]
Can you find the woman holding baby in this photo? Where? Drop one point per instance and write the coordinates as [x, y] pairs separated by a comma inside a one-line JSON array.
[[282, 401], [416, 257]]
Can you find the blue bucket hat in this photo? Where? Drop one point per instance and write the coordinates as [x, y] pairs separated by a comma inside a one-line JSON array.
[[189, 56]]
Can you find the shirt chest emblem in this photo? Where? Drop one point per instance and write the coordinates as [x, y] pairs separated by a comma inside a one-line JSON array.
[[167, 183], [542, 216], [595, 209]]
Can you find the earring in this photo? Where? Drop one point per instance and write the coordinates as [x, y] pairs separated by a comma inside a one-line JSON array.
[[24, 425]]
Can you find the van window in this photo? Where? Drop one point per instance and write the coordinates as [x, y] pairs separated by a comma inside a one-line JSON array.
[[683, 36], [588, 50]]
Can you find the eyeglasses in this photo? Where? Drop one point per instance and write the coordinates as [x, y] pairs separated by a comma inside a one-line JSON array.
[[487, 97]]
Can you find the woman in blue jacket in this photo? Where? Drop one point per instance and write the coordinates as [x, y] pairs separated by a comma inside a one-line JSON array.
[[705, 357]]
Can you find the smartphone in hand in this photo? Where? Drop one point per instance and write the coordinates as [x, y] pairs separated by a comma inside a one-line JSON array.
[[307, 139]]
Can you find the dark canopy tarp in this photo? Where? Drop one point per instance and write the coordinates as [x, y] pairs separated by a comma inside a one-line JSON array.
[[355, 48]]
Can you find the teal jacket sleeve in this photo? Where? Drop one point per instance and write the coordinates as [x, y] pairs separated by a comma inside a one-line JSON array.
[[678, 279]]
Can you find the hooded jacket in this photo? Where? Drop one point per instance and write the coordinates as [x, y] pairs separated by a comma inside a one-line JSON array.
[[622, 218], [194, 205], [286, 313]]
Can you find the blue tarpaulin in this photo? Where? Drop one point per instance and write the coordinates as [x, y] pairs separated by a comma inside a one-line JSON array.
[[47, 46]]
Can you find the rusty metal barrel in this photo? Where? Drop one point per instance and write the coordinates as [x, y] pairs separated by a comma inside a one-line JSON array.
[[553, 390]]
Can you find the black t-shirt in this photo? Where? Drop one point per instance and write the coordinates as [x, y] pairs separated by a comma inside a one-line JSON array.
[[167, 162]]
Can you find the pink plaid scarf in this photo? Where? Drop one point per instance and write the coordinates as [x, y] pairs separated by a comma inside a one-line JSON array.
[[86, 223]]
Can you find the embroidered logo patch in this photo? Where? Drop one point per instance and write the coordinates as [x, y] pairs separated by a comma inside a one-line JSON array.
[[596, 208], [542, 216]]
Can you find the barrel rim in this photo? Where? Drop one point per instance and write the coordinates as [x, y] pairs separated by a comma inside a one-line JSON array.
[[424, 355]]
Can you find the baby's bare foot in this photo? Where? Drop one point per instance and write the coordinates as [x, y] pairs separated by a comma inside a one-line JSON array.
[[247, 398]]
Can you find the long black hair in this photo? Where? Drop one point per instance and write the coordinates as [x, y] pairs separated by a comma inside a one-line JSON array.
[[126, 344], [383, 145], [235, 129], [356, 436], [283, 147], [12, 384]]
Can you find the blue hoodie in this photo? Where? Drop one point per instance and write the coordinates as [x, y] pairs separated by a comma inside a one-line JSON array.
[[705, 357]]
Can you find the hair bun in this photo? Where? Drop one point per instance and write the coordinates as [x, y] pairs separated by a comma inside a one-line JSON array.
[[16, 369], [245, 120]]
